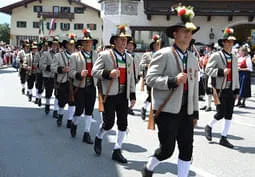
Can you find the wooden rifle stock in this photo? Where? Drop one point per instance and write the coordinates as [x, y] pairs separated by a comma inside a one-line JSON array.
[[151, 123], [215, 97], [100, 97], [71, 95], [142, 82]]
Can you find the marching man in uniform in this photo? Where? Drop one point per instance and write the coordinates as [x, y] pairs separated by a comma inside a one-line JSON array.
[[114, 68], [223, 67], [39, 77], [48, 75], [155, 45], [84, 84], [173, 76], [61, 66], [30, 66], [21, 58], [131, 46]]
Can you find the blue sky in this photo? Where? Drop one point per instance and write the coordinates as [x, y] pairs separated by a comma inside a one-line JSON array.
[[7, 18]]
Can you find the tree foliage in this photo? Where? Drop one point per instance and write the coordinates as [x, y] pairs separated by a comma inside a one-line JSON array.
[[5, 33]]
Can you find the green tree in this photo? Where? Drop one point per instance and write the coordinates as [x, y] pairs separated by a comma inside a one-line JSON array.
[[5, 33]]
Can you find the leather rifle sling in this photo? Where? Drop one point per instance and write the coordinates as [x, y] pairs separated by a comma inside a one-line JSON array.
[[111, 81], [224, 79], [62, 78], [79, 85], [161, 107]]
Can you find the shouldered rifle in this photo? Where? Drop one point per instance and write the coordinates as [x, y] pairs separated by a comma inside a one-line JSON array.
[[142, 82], [100, 96], [111, 81], [152, 116]]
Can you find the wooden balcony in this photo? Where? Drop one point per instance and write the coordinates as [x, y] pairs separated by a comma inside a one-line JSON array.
[[202, 7], [65, 15]]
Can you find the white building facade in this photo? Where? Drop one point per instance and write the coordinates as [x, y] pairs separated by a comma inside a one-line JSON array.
[[146, 20], [71, 16]]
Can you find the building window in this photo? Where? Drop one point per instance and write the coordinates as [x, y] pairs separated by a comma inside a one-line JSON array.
[[37, 8], [36, 24], [143, 35], [65, 26], [65, 9], [92, 27], [79, 10], [129, 8], [54, 27], [78, 26], [111, 7], [21, 24]]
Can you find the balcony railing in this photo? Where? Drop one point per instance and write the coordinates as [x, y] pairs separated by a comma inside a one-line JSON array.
[[69, 16]]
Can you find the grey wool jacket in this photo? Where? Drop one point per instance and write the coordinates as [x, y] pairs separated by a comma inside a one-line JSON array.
[[77, 64], [61, 60], [45, 64], [30, 61], [102, 68], [215, 68], [161, 77]]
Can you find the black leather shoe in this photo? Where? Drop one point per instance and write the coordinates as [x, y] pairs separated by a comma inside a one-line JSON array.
[[29, 98], [87, 139], [68, 124], [47, 109], [225, 142], [39, 102], [146, 173], [143, 113], [55, 114], [59, 120], [73, 129], [117, 156], [208, 133], [203, 108], [208, 109], [242, 106], [23, 91], [36, 101], [130, 111], [98, 146]]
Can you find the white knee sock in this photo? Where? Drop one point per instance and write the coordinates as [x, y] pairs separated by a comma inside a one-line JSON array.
[[101, 132], [209, 100], [71, 110], [37, 94], [152, 163], [183, 168], [146, 103], [61, 111], [212, 123], [76, 119], [55, 104], [226, 127], [119, 139], [87, 123], [48, 101], [23, 86], [29, 91]]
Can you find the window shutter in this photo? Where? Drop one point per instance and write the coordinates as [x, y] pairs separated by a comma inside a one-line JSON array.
[[61, 26]]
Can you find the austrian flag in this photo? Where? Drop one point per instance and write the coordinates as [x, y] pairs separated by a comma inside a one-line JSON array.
[[52, 22]]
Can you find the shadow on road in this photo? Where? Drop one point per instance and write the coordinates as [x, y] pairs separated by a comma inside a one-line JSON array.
[[33, 145], [163, 168], [6, 71]]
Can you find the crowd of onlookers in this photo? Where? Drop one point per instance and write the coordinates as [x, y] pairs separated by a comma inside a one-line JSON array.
[[8, 55]]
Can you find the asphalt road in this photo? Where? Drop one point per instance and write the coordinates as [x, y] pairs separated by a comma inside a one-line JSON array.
[[31, 145]]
